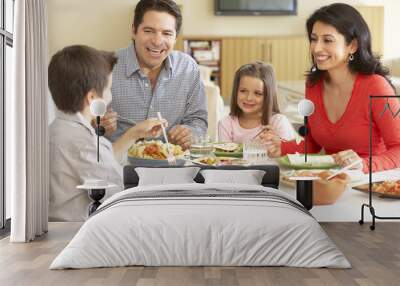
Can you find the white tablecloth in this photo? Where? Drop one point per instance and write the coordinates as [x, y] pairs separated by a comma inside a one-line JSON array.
[[348, 206]]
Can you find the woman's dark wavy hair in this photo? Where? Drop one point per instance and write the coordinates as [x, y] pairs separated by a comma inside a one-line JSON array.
[[348, 22]]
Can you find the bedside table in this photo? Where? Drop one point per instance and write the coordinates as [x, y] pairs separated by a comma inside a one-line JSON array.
[[96, 191]]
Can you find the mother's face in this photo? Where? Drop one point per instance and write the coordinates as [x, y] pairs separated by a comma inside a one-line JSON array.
[[329, 48]]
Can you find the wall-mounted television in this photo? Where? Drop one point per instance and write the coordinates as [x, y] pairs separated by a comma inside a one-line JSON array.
[[255, 7]]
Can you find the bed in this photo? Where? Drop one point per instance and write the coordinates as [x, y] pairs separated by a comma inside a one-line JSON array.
[[201, 224]]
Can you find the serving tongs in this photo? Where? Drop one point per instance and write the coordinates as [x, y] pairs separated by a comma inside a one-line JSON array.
[[170, 157]]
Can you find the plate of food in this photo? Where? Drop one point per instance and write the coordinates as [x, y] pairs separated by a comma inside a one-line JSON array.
[[219, 161], [296, 161], [154, 153], [384, 189], [228, 150]]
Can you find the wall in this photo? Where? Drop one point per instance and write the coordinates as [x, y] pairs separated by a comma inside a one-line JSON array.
[[106, 24], [391, 35]]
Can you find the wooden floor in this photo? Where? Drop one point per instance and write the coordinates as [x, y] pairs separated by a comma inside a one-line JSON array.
[[374, 255]]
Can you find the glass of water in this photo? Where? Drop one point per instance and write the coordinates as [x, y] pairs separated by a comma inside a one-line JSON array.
[[255, 152], [201, 146]]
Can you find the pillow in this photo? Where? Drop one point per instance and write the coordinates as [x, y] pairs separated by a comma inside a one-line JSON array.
[[166, 176], [249, 177]]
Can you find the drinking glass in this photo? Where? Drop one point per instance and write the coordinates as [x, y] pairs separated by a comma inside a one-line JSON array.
[[255, 152], [201, 146]]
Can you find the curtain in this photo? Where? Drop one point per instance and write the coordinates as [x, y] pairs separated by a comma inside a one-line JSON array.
[[27, 125]]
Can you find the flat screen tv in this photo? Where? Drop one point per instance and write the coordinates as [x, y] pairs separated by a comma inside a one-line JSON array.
[[255, 7]]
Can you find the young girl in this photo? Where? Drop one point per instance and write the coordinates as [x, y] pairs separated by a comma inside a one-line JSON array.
[[254, 106]]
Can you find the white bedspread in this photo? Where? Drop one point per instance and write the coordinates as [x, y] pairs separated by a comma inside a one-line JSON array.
[[264, 227]]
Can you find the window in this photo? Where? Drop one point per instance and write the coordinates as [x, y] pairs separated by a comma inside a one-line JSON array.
[[6, 63]]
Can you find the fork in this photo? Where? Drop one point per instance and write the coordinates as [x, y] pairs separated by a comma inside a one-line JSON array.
[[170, 157], [262, 130]]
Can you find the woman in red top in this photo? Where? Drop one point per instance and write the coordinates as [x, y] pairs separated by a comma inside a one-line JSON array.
[[344, 74]]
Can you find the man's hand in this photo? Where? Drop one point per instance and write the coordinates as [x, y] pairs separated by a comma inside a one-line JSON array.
[[181, 135], [108, 121]]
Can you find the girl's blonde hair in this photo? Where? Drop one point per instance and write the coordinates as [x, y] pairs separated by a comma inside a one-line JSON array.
[[264, 72]]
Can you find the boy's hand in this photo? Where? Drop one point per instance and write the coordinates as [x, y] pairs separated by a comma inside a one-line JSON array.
[[149, 128], [181, 135]]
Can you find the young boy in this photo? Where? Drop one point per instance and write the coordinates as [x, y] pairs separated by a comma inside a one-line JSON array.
[[78, 75]]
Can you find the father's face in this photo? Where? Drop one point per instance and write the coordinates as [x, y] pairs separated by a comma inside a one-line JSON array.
[[154, 38]]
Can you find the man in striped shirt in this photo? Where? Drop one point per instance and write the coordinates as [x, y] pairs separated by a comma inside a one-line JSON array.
[[150, 77]]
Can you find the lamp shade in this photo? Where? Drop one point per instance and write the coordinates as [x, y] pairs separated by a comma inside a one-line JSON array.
[[305, 107], [98, 107]]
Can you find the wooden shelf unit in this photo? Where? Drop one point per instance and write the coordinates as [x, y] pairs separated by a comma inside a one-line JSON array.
[[207, 52]]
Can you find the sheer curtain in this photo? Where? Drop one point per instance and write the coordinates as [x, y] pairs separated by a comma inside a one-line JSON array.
[[26, 121]]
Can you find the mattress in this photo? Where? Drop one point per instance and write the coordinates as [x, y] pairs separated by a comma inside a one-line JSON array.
[[201, 225]]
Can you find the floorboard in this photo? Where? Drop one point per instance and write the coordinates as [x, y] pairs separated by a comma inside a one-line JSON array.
[[374, 255]]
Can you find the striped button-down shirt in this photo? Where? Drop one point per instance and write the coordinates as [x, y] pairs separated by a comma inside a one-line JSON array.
[[178, 94]]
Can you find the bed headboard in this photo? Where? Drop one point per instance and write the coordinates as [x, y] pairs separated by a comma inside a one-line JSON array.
[[270, 179]]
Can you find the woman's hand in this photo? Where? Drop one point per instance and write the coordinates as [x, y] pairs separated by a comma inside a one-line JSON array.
[[148, 128], [347, 157]]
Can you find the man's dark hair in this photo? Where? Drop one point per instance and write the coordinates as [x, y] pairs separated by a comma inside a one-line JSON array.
[[74, 71], [167, 6]]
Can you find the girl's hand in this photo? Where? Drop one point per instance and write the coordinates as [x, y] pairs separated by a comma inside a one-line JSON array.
[[273, 143], [149, 128], [346, 157], [263, 133]]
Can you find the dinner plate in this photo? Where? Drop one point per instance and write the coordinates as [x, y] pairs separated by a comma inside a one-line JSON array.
[[142, 162], [222, 161], [198, 161], [284, 161], [365, 188]]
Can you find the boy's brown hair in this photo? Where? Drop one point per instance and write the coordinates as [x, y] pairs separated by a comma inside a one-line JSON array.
[[74, 71], [264, 72]]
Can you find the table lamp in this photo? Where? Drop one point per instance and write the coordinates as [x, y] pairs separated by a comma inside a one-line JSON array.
[[96, 188], [304, 185], [305, 108], [98, 108]]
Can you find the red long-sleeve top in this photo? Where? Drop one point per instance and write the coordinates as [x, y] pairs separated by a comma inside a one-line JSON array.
[[351, 131]]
